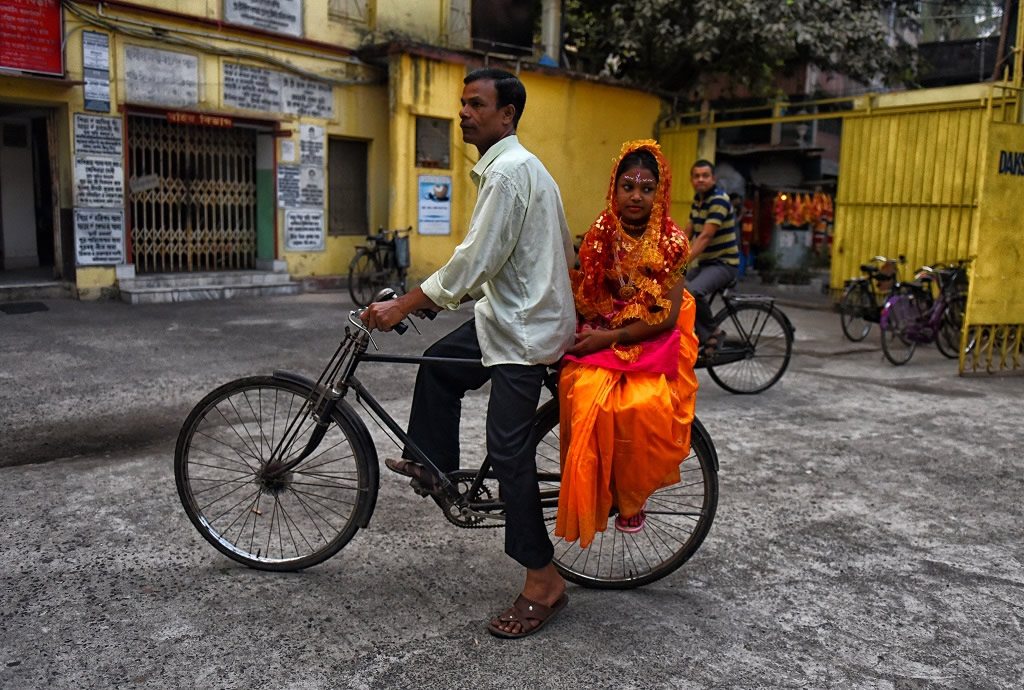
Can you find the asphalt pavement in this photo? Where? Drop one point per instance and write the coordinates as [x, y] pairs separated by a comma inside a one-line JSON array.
[[867, 533]]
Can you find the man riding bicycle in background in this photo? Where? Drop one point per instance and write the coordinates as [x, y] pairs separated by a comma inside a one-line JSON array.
[[714, 250]]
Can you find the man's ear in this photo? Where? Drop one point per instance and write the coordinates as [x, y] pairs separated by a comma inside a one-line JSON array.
[[509, 111]]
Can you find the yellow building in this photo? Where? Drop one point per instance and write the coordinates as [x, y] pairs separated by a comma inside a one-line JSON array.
[[176, 149]]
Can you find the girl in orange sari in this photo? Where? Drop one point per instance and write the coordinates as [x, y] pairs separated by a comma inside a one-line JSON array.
[[627, 389]]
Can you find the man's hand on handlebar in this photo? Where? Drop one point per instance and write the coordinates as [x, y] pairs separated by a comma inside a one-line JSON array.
[[384, 316]]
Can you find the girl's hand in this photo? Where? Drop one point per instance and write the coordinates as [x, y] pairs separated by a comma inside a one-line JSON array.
[[589, 342]]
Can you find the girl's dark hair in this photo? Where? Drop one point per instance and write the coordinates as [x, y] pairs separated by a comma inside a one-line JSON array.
[[641, 158]]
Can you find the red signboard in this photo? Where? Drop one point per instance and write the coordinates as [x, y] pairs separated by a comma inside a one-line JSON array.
[[30, 36], [184, 117]]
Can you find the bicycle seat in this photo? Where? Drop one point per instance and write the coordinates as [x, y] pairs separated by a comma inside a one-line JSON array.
[[868, 268]]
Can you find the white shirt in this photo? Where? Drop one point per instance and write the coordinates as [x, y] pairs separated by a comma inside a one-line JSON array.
[[515, 261]]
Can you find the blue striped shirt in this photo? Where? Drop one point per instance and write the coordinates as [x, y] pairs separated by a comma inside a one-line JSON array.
[[716, 208]]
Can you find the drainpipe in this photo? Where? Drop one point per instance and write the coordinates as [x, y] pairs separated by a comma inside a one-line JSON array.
[[551, 29]]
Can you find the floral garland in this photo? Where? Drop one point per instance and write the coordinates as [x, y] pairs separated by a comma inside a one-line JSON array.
[[653, 262]]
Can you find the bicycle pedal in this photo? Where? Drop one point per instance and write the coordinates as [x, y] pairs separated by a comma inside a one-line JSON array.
[[418, 488]]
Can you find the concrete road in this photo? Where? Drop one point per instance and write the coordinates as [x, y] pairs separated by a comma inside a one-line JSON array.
[[867, 533]]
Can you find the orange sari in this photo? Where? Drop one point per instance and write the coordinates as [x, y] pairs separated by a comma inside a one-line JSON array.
[[625, 428]]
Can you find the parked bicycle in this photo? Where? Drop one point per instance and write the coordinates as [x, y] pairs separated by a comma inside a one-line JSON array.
[[862, 300], [915, 315], [758, 343], [382, 263], [279, 472]]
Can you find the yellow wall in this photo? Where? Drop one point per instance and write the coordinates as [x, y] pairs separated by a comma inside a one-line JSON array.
[[576, 128]]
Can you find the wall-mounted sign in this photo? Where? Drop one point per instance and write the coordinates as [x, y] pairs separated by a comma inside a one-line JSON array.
[[30, 36], [180, 117], [99, 182], [279, 16], [304, 230], [255, 88], [288, 186], [311, 185], [98, 134], [435, 205], [161, 77], [312, 144], [96, 70], [99, 236]]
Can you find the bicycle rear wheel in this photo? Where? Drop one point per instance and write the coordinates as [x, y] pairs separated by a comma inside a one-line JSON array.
[[289, 522], [852, 308], [757, 349], [364, 277], [898, 313], [678, 518]]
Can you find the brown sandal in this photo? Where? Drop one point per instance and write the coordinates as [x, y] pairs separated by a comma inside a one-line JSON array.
[[422, 478], [523, 611]]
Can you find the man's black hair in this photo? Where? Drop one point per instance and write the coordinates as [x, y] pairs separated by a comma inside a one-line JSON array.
[[510, 90], [702, 163], [641, 158]]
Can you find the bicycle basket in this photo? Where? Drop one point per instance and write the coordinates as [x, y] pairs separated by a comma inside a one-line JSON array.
[[402, 257]]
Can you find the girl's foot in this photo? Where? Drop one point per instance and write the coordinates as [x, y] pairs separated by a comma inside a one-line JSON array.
[[631, 524]]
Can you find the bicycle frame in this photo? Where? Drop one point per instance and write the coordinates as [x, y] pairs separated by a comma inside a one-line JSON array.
[[338, 377], [748, 340]]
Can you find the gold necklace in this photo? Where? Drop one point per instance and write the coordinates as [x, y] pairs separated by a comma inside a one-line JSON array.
[[627, 290]]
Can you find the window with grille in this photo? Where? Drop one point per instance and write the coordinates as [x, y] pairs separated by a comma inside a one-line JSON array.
[[350, 10], [348, 185], [433, 142]]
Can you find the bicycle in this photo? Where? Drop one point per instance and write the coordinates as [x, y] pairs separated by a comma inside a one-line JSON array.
[[913, 315], [757, 347], [862, 300], [279, 472], [382, 263]]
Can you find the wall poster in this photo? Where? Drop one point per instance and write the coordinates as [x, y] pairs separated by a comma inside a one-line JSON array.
[[161, 77], [30, 36], [99, 236], [279, 16], [304, 230], [435, 205], [98, 134], [99, 182], [96, 70], [256, 88]]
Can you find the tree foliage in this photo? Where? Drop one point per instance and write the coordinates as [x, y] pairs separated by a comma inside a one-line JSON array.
[[674, 46]]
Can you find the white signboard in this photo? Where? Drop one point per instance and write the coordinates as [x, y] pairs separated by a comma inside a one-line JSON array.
[[99, 236], [306, 97], [287, 151], [288, 186], [255, 88], [312, 142], [96, 70], [279, 16], [99, 182], [162, 77], [304, 230], [311, 186], [434, 194], [98, 134]]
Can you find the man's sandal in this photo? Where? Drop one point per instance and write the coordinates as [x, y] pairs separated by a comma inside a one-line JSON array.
[[713, 344], [423, 480], [530, 615]]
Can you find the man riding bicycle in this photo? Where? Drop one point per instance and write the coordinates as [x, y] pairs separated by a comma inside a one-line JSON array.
[[714, 250], [515, 262]]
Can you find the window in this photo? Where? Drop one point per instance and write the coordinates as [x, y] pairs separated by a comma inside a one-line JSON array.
[[348, 187], [433, 142], [352, 10]]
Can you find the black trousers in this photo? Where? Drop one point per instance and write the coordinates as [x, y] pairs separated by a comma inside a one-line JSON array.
[[515, 392]]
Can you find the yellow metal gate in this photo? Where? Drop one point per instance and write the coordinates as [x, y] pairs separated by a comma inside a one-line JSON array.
[[192, 196]]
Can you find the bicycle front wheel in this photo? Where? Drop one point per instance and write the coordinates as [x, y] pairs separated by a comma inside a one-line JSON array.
[[897, 315], [364, 278], [285, 522], [951, 325], [757, 349], [852, 308], [678, 518]]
